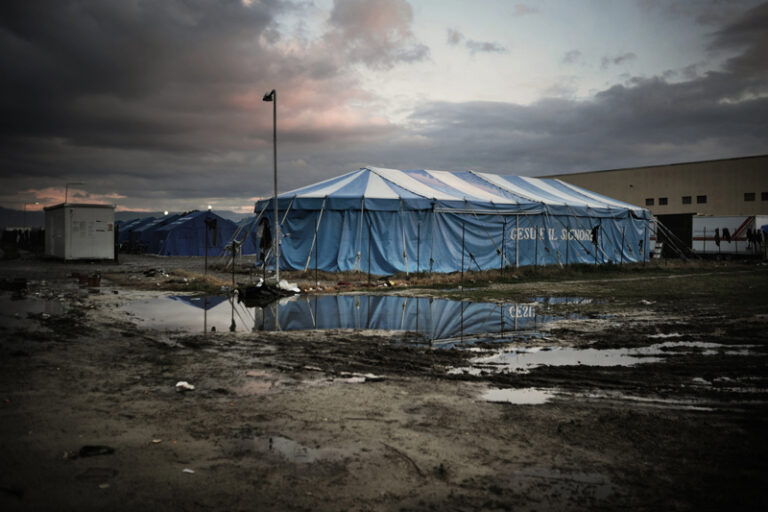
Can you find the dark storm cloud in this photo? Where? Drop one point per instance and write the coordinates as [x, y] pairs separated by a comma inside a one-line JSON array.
[[645, 121], [157, 98]]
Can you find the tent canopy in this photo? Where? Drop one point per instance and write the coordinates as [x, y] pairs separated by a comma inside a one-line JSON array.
[[392, 190], [393, 220]]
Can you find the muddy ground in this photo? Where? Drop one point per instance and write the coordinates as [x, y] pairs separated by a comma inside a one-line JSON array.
[[90, 417]]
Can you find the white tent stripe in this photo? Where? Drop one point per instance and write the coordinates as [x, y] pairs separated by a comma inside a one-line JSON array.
[[377, 188], [567, 198], [402, 179], [504, 184], [473, 191], [330, 189]]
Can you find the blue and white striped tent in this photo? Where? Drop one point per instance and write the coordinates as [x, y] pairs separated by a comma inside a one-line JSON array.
[[387, 220]]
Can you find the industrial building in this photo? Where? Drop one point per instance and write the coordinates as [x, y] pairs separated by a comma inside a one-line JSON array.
[[731, 186], [676, 193]]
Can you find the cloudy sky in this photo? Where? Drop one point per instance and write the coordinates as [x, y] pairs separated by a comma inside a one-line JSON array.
[[158, 104]]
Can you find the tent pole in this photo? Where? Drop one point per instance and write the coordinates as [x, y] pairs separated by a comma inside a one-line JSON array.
[[316, 256], [646, 242], [317, 227], [517, 241], [234, 248], [369, 252], [536, 249], [432, 242], [503, 240], [567, 242], [621, 251], [405, 247], [462, 255], [418, 247], [358, 258]]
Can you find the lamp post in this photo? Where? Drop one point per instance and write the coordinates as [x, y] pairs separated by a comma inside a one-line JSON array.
[[272, 96], [66, 189]]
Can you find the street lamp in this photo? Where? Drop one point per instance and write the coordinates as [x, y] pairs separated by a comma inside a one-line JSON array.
[[25, 211], [66, 189], [272, 96]]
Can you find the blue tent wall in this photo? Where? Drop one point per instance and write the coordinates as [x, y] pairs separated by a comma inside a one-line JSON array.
[[432, 241], [186, 236], [414, 233]]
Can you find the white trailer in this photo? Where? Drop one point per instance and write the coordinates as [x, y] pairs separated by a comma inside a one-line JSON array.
[[80, 231], [728, 234]]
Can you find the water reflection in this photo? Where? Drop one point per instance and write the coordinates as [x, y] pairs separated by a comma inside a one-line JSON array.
[[440, 321]]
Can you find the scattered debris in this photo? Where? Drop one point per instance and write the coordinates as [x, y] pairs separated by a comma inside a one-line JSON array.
[[289, 287], [92, 450], [183, 385], [261, 295]]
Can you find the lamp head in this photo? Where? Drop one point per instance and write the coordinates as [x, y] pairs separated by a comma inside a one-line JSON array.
[[270, 96]]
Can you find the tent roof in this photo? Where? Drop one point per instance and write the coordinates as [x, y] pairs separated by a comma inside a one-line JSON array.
[[424, 189]]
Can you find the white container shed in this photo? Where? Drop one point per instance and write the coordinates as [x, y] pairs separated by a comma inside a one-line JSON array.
[[80, 231]]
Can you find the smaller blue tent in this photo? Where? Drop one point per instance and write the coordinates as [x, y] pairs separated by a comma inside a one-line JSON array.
[[127, 229], [186, 235], [145, 237]]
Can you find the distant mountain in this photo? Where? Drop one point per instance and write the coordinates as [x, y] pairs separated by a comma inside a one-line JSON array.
[[10, 218]]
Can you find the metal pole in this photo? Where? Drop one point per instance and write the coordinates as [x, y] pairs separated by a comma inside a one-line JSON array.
[[503, 232], [317, 257], [233, 271], [622, 244], [462, 254], [567, 241], [418, 247], [517, 240], [274, 156], [369, 252], [646, 242]]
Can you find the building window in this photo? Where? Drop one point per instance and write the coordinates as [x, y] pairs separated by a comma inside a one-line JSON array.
[[701, 199], [686, 199], [764, 196], [649, 201], [749, 196], [662, 201]]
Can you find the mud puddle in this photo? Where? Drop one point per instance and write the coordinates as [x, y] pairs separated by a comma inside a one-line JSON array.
[[442, 321], [525, 359], [18, 312]]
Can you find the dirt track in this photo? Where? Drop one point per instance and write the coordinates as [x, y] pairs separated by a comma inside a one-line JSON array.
[[348, 420]]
